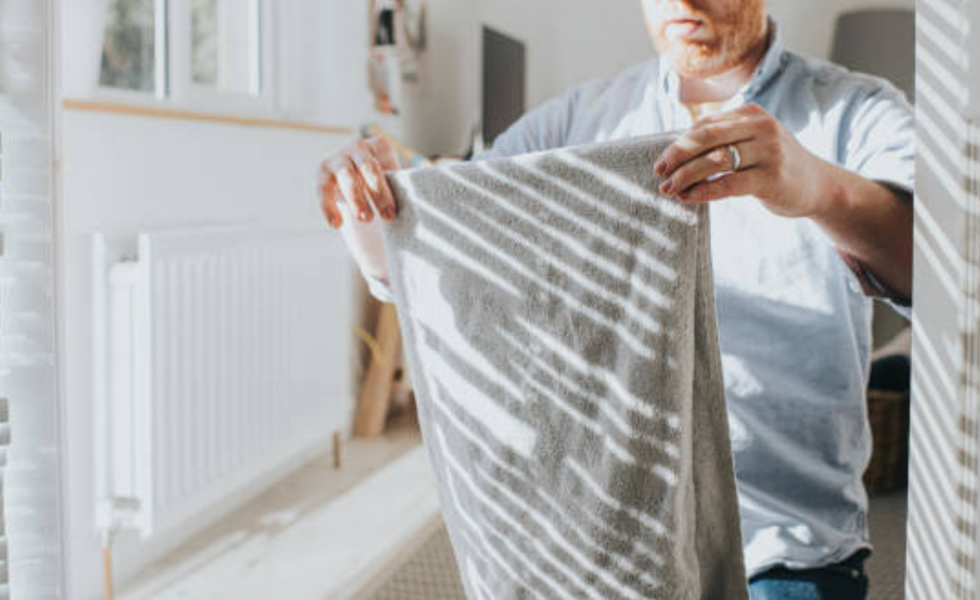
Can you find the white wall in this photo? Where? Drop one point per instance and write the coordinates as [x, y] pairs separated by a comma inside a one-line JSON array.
[[569, 43], [443, 107], [123, 174], [334, 50]]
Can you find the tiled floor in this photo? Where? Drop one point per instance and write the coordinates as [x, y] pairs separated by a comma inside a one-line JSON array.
[[430, 572]]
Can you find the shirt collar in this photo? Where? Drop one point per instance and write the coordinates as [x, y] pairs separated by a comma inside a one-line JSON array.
[[772, 61]]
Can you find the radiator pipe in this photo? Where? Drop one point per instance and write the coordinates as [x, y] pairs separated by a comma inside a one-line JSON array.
[[107, 586], [338, 450]]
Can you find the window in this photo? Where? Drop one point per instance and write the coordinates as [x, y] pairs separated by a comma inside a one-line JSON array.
[[226, 45], [134, 47], [204, 41], [205, 53]]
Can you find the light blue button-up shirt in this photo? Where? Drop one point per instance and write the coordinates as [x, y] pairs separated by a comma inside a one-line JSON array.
[[794, 325]]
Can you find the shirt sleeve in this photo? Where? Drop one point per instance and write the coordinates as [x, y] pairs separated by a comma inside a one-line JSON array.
[[365, 244], [873, 287], [878, 143], [878, 140], [380, 288]]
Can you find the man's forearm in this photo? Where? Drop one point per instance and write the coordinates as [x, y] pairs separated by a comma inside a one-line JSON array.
[[870, 222]]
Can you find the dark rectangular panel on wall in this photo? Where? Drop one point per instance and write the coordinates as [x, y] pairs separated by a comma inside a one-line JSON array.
[[504, 82]]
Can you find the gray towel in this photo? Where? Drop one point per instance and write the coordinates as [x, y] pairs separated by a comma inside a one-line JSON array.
[[559, 326]]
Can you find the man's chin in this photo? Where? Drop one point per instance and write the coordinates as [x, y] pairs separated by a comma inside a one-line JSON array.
[[697, 62]]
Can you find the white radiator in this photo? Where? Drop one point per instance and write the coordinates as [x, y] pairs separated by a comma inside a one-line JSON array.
[[222, 359]]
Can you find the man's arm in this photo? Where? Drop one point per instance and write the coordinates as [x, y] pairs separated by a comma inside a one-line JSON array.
[[870, 222]]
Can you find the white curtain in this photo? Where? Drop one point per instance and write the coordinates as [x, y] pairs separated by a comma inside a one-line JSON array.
[[28, 369], [83, 30]]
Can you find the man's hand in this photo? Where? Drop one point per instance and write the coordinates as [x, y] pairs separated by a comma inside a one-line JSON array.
[[866, 220], [775, 167], [356, 176], [353, 186]]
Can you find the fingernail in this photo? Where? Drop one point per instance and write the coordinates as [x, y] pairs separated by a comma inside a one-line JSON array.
[[335, 222], [660, 167], [364, 215], [388, 213], [667, 186]]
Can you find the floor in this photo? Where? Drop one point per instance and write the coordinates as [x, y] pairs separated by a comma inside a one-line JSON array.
[[429, 572], [886, 567], [288, 517], [291, 518]]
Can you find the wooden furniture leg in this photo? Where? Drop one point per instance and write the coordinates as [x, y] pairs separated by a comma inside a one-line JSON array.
[[372, 409]]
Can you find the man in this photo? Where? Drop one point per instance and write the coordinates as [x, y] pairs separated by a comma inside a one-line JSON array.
[[809, 169]]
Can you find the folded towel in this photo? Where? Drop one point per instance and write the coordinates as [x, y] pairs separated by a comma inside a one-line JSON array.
[[559, 327]]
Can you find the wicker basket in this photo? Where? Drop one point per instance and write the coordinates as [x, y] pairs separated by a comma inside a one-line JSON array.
[[888, 412]]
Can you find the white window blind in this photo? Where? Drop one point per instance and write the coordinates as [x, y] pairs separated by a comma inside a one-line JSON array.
[[4, 445], [944, 495], [30, 537]]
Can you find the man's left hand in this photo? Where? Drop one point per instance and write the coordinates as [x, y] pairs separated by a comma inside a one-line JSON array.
[[775, 167]]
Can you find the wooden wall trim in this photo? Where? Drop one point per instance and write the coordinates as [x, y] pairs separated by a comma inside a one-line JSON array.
[[190, 115]]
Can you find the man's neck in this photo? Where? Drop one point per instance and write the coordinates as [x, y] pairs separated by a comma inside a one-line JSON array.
[[722, 86]]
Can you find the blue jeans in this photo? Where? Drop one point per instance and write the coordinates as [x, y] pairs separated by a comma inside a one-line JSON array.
[[842, 581]]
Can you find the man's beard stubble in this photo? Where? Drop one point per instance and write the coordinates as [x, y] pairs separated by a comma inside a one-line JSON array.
[[737, 37]]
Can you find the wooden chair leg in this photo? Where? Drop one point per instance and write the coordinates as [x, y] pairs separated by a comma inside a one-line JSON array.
[[372, 409]]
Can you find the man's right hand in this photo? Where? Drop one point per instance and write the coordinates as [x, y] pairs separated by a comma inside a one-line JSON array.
[[354, 178]]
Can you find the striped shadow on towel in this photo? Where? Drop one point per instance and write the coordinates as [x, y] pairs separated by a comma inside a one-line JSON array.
[[559, 326]]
